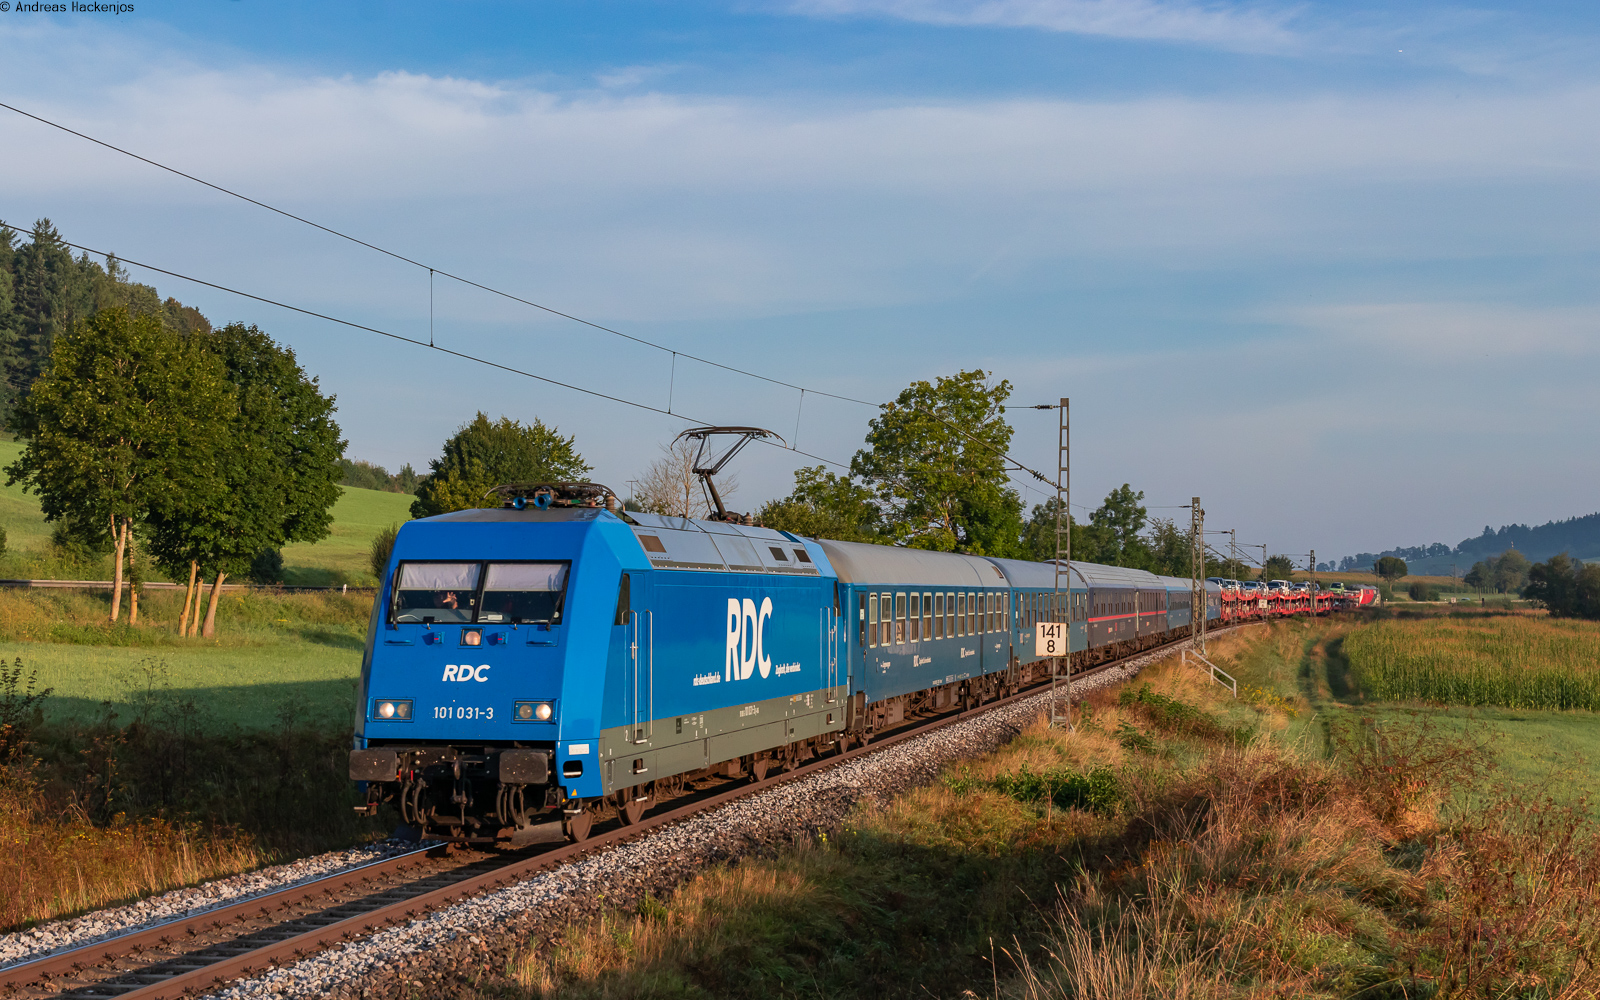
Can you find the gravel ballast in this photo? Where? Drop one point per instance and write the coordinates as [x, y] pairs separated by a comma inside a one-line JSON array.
[[40, 941], [484, 933]]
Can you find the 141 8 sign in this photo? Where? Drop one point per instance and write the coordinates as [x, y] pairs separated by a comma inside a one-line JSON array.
[[1050, 639]]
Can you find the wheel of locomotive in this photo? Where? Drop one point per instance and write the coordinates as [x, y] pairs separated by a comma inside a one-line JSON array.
[[580, 824], [634, 803], [759, 769]]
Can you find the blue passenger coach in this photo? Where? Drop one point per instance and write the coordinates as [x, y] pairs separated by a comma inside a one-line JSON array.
[[530, 669]]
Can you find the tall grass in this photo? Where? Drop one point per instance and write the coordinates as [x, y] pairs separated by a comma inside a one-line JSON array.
[[113, 808], [1510, 661], [52, 865], [1219, 870]]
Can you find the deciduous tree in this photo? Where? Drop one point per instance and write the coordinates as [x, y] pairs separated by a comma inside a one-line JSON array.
[[1281, 567], [1390, 568], [935, 459], [825, 505], [486, 453], [1120, 519], [669, 486], [274, 476], [121, 424]]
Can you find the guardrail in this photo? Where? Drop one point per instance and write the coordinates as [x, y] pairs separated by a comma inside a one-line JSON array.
[[107, 585], [1216, 673]]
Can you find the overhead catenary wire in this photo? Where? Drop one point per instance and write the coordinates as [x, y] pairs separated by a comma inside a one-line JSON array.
[[415, 263], [409, 340], [486, 288]]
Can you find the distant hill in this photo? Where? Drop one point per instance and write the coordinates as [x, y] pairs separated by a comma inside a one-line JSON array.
[[1579, 537]]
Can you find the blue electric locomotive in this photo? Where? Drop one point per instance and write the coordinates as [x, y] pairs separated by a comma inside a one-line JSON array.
[[529, 669]]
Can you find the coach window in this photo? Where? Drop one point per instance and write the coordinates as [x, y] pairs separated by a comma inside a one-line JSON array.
[[961, 614], [899, 618], [927, 616], [885, 619], [872, 619], [914, 629], [938, 616], [972, 614], [989, 623]]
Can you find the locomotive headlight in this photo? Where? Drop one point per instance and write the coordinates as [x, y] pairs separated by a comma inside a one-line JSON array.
[[392, 709], [533, 711]]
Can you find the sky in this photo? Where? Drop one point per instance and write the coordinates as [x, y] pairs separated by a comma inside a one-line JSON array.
[[1329, 267]]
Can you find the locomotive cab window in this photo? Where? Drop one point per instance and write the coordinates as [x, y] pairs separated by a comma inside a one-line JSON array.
[[436, 592], [523, 592], [510, 593]]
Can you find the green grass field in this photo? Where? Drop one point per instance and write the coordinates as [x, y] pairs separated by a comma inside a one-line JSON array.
[[344, 556], [275, 656], [1554, 750], [340, 558]]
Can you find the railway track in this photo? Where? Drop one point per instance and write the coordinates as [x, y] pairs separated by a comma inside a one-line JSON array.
[[202, 952]]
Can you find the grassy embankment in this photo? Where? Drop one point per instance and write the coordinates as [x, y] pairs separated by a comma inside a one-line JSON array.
[[159, 761], [341, 558], [1179, 844]]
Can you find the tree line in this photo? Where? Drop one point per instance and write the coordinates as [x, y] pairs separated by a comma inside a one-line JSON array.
[[45, 291], [931, 474], [1580, 534], [150, 432]]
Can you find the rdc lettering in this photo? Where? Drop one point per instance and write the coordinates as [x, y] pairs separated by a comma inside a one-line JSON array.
[[746, 639]]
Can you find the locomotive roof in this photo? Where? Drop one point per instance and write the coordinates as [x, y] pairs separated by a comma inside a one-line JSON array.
[[686, 543], [528, 515], [858, 562]]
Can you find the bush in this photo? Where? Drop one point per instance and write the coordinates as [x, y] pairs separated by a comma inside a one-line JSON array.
[[1097, 791], [1420, 591], [382, 548], [267, 569], [2, 540]]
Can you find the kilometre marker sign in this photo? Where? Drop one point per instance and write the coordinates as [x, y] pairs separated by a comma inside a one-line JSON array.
[[1050, 639]]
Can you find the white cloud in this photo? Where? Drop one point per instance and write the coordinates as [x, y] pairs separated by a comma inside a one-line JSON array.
[[1228, 26]]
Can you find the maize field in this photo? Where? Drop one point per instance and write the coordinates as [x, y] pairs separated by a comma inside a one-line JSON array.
[[1513, 662]]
